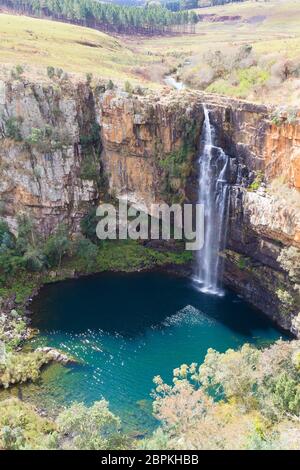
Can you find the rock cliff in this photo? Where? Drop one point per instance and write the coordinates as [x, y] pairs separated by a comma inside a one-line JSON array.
[[44, 133], [65, 146]]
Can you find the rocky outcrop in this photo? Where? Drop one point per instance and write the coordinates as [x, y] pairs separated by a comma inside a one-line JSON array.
[[55, 355], [64, 146]]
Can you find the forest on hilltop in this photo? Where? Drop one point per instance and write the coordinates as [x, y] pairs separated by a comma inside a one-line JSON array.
[[152, 19]]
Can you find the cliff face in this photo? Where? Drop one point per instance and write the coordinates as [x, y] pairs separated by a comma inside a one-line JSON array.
[[263, 256], [46, 133], [262, 260], [149, 145], [65, 147], [59, 145]]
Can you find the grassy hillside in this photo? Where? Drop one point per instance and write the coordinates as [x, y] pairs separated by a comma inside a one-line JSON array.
[[39, 43]]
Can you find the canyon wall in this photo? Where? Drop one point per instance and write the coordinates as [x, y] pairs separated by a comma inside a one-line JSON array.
[[262, 260], [43, 131], [65, 147]]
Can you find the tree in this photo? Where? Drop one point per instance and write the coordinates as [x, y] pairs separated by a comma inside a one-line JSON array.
[[153, 18], [35, 259], [26, 234], [57, 245], [88, 224], [93, 428], [87, 251], [244, 399]]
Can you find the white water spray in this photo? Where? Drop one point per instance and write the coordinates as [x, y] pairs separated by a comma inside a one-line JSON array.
[[213, 193]]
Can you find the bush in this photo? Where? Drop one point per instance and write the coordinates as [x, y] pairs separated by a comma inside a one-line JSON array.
[[7, 240], [13, 128], [89, 169], [128, 87], [26, 234], [255, 185], [35, 260], [38, 136], [21, 428], [57, 246], [59, 72], [21, 367], [17, 72], [76, 428], [51, 72], [88, 224], [93, 428], [89, 78], [285, 68], [87, 251]]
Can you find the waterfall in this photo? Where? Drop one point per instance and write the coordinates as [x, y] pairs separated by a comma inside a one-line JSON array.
[[213, 193]]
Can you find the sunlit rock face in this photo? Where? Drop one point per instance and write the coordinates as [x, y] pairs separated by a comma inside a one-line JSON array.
[[142, 138], [67, 146]]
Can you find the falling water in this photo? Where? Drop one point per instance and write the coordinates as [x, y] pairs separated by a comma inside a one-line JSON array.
[[213, 193]]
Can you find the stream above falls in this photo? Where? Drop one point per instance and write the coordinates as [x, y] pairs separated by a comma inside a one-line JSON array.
[[127, 328], [171, 81]]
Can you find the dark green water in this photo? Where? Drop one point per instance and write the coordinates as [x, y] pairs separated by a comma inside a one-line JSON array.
[[127, 328]]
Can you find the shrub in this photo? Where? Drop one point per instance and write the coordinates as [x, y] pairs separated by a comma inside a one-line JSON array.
[[17, 72], [128, 87], [285, 298], [13, 128], [5, 234], [87, 251], [59, 72], [255, 185], [93, 428], [289, 260], [89, 169], [89, 78], [21, 367], [10, 264], [57, 246], [88, 224], [26, 234], [285, 68], [76, 428], [242, 263], [21, 428], [38, 136], [35, 260], [51, 72]]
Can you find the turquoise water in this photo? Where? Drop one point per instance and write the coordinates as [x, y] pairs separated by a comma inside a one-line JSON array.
[[127, 328]]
